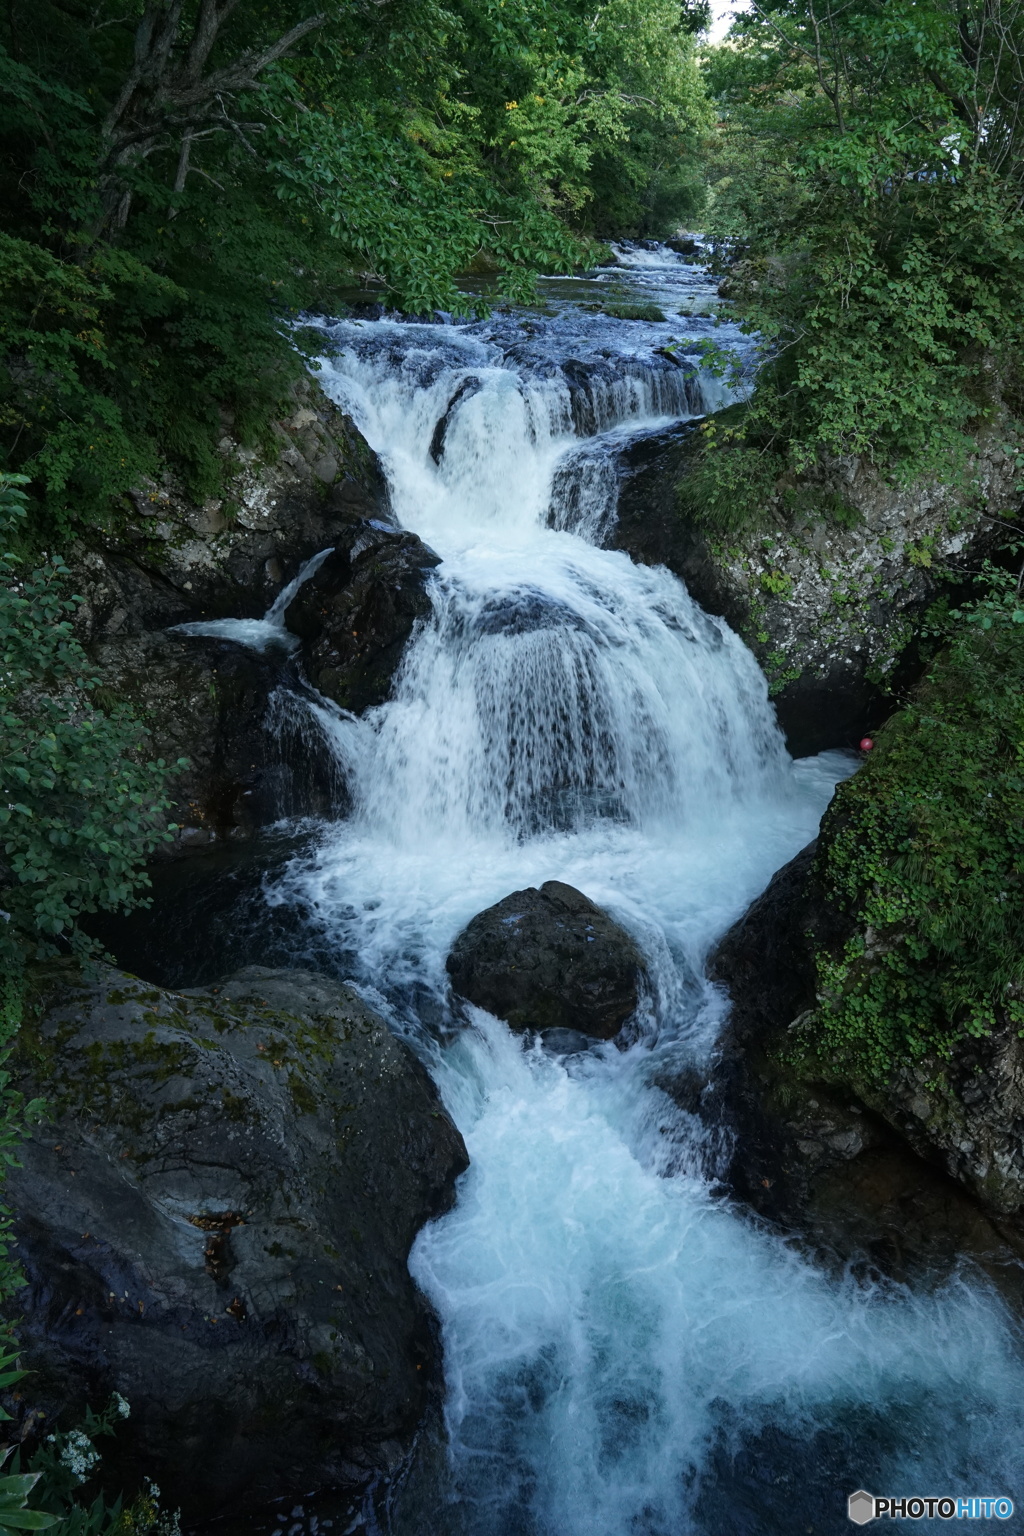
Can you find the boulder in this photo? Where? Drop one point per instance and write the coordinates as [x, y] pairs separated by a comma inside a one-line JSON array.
[[356, 613], [549, 959], [216, 1222], [813, 1150]]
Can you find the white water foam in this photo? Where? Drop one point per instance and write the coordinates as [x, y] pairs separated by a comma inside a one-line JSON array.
[[608, 1321], [259, 634]]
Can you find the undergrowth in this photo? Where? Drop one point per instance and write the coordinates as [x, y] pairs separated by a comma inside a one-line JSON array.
[[924, 850]]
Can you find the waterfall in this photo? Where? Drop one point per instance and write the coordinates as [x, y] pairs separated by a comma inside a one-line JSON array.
[[620, 1343], [261, 634]]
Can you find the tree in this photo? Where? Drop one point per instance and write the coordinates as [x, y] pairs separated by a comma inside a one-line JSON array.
[[171, 94], [180, 179], [871, 177]]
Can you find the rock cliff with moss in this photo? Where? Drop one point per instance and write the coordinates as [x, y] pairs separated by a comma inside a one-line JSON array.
[[878, 984], [165, 561], [830, 581]]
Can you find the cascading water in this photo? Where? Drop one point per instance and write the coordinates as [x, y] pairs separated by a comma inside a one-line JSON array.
[[618, 1341]]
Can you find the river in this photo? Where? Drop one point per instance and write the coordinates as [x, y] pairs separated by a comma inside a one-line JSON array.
[[625, 1351]]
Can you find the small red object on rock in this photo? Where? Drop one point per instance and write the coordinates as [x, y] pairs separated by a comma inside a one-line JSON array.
[[866, 744]]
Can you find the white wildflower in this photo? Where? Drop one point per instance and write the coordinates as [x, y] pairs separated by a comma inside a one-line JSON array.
[[79, 1454]]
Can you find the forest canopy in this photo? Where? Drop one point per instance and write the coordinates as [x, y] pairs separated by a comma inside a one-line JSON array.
[[867, 185], [180, 178]]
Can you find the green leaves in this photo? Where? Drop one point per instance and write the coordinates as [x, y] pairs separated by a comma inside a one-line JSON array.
[[14, 1514], [870, 174], [80, 808], [925, 849], [397, 145]]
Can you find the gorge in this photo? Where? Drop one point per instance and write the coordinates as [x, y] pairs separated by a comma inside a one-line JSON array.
[[625, 1347]]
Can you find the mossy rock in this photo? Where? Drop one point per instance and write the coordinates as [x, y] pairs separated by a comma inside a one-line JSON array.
[[215, 1222], [649, 312]]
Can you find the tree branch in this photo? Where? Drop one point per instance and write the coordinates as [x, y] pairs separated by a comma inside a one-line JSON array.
[[158, 100]]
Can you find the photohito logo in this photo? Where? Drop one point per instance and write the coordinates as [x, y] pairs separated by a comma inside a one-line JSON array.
[[862, 1507]]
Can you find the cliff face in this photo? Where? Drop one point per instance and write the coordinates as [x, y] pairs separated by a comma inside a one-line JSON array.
[[925, 1160], [886, 1169], [170, 561], [828, 593]]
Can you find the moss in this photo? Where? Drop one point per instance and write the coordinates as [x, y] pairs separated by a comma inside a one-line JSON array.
[[924, 851], [811, 503], [649, 312], [235, 1107], [302, 1095]]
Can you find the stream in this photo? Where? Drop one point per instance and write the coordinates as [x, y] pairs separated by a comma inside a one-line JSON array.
[[626, 1353]]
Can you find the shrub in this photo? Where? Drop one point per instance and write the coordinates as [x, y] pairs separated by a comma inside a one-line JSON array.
[[924, 849], [80, 808]]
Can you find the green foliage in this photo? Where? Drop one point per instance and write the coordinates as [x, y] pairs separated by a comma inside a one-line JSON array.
[[14, 1512], [924, 849], [868, 176], [79, 810], [729, 481], [63, 1470], [178, 184]]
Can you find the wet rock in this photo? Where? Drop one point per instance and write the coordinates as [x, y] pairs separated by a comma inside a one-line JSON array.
[[357, 613], [225, 707], [466, 390], [816, 1151], [216, 1224], [826, 588], [549, 959], [523, 611], [684, 247]]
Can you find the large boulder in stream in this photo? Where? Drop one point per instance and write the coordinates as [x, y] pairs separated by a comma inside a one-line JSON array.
[[357, 612], [549, 959], [216, 1223]]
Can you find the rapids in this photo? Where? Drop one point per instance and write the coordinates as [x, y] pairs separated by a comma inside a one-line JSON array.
[[625, 1351]]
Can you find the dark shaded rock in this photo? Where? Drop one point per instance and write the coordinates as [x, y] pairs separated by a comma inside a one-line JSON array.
[[253, 755], [810, 1149], [216, 1225], [357, 612], [466, 390], [684, 247], [207, 916], [549, 959]]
